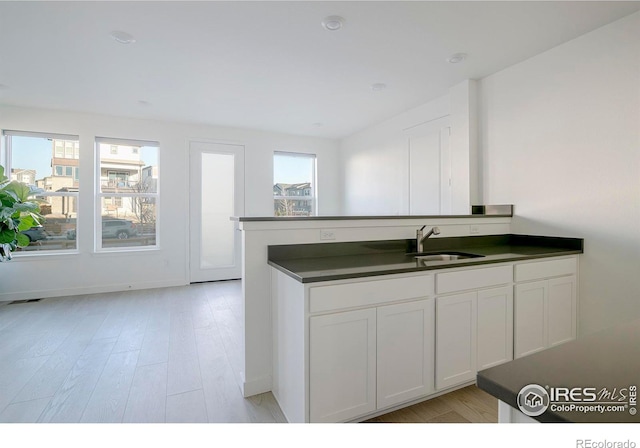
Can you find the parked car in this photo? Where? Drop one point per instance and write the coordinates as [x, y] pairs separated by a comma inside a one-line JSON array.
[[112, 228], [118, 228], [36, 233]]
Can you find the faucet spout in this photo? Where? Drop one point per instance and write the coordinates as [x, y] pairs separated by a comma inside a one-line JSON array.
[[420, 238]]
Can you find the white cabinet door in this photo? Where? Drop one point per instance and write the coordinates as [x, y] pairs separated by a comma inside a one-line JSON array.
[[405, 351], [456, 342], [342, 369], [561, 310], [495, 326], [530, 320]]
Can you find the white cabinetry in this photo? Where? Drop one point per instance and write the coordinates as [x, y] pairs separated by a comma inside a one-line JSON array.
[[545, 304], [342, 368], [345, 350], [405, 352], [474, 329], [369, 359], [456, 341], [495, 327]]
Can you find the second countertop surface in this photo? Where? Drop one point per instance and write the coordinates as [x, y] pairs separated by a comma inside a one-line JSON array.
[[308, 263]]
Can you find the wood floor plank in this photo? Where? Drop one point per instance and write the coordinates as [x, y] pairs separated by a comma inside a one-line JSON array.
[[24, 412], [68, 403], [431, 409], [188, 407], [223, 397], [230, 333], [53, 373], [14, 375], [200, 310], [265, 409], [148, 395], [466, 403], [109, 399], [449, 417], [183, 363]]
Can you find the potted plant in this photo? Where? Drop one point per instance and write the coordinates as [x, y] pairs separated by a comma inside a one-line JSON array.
[[17, 214]]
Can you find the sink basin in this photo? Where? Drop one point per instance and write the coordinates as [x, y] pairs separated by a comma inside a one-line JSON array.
[[448, 256]]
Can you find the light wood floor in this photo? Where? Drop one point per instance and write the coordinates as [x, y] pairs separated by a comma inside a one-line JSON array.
[[467, 405], [163, 355]]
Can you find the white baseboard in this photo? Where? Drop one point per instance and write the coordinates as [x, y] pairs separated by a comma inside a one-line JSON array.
[[97, 289], [257, 386]]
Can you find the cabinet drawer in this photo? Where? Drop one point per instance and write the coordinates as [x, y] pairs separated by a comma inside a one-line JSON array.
[[545, 269], [473, 279], [368, 293]]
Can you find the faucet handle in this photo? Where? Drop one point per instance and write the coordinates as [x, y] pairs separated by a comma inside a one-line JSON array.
[[422, 228]]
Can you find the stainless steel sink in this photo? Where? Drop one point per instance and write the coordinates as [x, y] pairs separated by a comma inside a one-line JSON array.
[[448, 256]]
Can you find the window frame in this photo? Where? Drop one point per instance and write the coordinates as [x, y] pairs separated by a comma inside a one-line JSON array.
[[313, 197], [113, 196], [6, 156]]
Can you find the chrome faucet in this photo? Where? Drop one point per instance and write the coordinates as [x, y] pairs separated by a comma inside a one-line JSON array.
[[420, 239]]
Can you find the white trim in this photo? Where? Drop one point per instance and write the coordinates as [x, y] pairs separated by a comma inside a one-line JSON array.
[[127, 142], [52, 135], [98, 289]]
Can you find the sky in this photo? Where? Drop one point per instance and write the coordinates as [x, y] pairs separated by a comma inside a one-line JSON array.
[[35, 153], [289, 169]]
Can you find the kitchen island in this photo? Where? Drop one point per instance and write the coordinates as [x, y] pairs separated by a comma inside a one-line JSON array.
[[363, 328], [590, 380]]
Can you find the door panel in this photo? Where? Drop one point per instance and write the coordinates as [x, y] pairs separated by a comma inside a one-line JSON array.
[[216, 194]]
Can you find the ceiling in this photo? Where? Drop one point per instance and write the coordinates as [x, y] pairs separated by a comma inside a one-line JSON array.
[[270, 65]]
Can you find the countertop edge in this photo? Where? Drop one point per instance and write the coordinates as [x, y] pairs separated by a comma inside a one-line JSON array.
[[466, 263], [357, 218]]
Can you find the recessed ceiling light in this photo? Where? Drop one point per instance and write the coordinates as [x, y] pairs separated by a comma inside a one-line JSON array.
[[333, 23], [378, 86], [457, 58], [122, 37]]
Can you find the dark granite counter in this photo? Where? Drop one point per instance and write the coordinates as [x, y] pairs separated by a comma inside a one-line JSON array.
[[477, 211], [607, 363], [309, 263]]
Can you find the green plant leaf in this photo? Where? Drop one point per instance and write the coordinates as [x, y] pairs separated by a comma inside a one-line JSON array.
[[23, 240], [20, 189], [7, 236], [26, 222], [29, 207]]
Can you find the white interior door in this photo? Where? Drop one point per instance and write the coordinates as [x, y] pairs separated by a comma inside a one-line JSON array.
[[429, 168], [217, 194]]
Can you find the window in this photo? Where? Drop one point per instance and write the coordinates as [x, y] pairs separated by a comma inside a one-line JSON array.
[[29, 158], [127, 194], [294, 175]]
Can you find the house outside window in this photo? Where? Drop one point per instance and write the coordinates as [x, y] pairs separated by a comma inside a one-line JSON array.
[[294, 179], [128, 195]]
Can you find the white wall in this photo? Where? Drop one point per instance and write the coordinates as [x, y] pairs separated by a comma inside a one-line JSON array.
[[375, 161], [560, 139], [55, 275]]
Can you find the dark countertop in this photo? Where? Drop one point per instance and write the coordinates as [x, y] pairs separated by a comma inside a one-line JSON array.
[[477, 211], [310, 263], [607, 359]]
